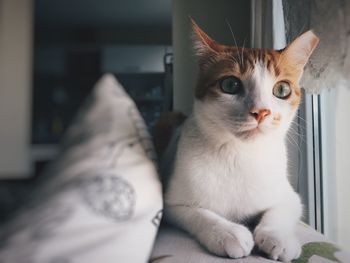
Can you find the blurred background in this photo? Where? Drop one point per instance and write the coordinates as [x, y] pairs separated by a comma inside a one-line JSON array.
[[53, 52], [76, 42]]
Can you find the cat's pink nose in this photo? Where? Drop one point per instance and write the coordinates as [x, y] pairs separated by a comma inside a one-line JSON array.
[[260, 115]]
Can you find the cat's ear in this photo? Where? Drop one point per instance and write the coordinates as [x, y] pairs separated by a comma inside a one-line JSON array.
[[202, 43], [300, 50]]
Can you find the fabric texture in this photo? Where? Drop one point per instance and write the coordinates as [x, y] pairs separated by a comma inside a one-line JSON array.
[[174, 245], [101, 199]]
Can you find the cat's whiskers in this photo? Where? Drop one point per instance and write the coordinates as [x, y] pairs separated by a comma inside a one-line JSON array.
[[295, 132], [305, 121], [300, 154], [293, 142], [297, 121], [243, 53], [234, 39], [299, 136], [299, 126]]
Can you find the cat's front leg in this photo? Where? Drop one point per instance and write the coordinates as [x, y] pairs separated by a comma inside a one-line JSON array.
[[215, 233], [275, 234]]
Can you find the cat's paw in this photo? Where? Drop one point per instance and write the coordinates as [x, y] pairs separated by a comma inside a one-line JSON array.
[[232, 240], [277, 244]]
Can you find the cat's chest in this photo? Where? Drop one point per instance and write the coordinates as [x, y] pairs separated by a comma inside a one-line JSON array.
[[242, 183], [248, 166]]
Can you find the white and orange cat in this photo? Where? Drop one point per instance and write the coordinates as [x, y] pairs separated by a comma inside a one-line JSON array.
[[231, 161]]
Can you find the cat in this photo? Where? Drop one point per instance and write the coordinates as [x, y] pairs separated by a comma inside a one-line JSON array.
[[231, 162]]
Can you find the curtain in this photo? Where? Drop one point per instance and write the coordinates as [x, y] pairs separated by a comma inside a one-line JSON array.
[[329, 66]]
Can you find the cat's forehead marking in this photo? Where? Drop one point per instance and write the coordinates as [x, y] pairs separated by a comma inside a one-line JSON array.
[[266, 57]]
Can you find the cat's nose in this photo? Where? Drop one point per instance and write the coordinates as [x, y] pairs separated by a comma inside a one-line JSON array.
[[260, 115]]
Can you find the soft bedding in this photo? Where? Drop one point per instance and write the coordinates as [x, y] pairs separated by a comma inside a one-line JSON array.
[[173, 245], [100, 200]]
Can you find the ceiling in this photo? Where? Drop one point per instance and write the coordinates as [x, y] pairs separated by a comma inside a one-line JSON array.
[[103, 12]]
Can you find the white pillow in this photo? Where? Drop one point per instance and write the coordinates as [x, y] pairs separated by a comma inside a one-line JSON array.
[[101, 199]]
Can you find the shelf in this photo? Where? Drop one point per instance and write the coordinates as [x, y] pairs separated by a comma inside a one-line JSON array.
[[43, 152], [149, 100]]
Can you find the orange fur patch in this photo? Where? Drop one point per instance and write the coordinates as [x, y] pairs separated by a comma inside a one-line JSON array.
[[276, 119]]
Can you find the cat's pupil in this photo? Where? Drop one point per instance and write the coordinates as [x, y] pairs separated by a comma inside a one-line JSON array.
[[231, 85], [281, 90]]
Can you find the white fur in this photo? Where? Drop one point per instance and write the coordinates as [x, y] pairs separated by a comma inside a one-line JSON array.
[[219, 180]]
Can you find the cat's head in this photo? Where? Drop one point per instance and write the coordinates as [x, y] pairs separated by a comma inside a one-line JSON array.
[[250, 92]]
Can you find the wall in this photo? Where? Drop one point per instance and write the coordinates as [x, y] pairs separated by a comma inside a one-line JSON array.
[[15, 86], [210, 16], [342, 143], [114, 58], [335, 110]]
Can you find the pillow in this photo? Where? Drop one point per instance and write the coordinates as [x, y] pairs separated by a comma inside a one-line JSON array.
[[101, 199]]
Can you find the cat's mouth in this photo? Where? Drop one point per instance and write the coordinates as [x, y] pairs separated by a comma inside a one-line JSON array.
[[251, 133]]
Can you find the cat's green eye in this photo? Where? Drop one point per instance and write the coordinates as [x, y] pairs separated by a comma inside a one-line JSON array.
[[282, 90], [231, 85]]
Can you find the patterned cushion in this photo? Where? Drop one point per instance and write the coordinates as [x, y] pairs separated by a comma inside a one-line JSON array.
[[101, 199]]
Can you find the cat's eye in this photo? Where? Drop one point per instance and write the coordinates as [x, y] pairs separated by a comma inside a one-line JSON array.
[[231, 85], [282, 90]]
